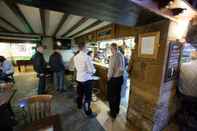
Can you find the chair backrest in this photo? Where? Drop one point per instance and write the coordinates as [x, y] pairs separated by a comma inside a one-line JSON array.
[[38, 107], [6, 87]]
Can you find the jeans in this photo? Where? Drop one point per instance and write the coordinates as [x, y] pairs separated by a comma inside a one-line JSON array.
[[58, 79], [3, 76], [114, 94], [84, 89], [41, 84]]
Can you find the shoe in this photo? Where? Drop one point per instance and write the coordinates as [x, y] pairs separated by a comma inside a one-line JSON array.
[[63, 90], [113, 116], [92, 115], [79, 106]]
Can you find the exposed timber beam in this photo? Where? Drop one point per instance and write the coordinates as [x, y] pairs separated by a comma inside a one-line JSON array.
[[15, 9], [10, 24], [75, 26], [88, 27], [63, 19], [43, 20]]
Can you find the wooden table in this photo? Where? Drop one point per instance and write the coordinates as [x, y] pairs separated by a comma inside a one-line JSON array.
[[45, 124]]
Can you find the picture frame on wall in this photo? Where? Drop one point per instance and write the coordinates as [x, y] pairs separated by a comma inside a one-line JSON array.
[[148, 45]]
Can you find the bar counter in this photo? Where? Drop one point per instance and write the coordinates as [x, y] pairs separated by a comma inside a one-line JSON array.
[[101, 71]]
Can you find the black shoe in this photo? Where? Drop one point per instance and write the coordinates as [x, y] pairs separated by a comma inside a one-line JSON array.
[[112, 115], [92, 115], [79, 106], [63, 90]]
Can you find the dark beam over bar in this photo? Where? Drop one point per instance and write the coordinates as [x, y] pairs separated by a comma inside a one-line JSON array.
[[13, 6], [63, 19], [43, 20], [10, 24], [88, 27], [75, 26]]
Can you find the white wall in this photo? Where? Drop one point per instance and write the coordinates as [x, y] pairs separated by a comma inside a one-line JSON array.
[[66, 54]]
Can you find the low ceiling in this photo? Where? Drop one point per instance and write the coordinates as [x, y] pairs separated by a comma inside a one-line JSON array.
[[68, 19]]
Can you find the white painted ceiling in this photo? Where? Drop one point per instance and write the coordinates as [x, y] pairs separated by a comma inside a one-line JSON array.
[[84, 25], [10, 16], [33, 17], [7, 26], [52, 20], [71, 20]]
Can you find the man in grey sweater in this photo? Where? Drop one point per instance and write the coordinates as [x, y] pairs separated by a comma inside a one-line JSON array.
[[115, 80]]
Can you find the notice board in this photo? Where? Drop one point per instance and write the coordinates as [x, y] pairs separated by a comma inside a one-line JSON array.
[[173, 61]]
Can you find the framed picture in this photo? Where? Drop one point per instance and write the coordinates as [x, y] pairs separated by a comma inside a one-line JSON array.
[[148, 45]]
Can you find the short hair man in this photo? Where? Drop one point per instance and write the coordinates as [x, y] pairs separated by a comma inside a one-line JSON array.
[[85, 70], [115, 80], [58, 68], [39, 65]]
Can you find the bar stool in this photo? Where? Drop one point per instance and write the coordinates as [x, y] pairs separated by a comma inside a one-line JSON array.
[[95, 90]]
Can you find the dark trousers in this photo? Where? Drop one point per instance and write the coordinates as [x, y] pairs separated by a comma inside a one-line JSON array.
[[186, 115], [41, 84], [4, 77], [114, 91], [58, 79], [84, 89]]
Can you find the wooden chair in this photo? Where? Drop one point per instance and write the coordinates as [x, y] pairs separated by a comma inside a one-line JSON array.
[[6, 87], [38, 107]]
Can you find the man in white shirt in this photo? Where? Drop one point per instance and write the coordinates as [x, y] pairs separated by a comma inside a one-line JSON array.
[[85, 70], [115, 80]]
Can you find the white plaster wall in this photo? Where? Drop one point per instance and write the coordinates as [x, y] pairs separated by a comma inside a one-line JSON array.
[[66, 54]]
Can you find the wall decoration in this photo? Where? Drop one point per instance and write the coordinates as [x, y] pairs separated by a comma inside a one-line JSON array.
[[173, 61], [148, 45]]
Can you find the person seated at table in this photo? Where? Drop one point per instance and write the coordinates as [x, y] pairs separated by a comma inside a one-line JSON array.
[[6, 69], [58, 68]]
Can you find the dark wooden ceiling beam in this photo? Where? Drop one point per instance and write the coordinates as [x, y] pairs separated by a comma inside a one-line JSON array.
[[15, 9], [4, 29], [10, 24], [23, 34], [75, 26], [43, 20], [88, 27], [81, 9], [63, 19]]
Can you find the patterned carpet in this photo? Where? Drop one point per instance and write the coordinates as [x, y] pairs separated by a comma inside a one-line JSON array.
[[72, 119]]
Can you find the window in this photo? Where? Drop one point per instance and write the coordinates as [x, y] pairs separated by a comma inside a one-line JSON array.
[[17, 51]]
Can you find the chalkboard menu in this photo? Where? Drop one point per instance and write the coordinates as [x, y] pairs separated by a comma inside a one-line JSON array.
[[173, 61]]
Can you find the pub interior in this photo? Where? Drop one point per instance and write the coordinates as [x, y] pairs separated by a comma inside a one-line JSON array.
[[157, 40]]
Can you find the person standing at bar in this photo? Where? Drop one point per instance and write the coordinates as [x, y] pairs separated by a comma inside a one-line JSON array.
[[115, 80], [39, 65], [85, 70], [58, 68]]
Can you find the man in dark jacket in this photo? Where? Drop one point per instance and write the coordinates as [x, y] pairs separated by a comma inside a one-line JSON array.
[[57, 65], [39, 65]]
